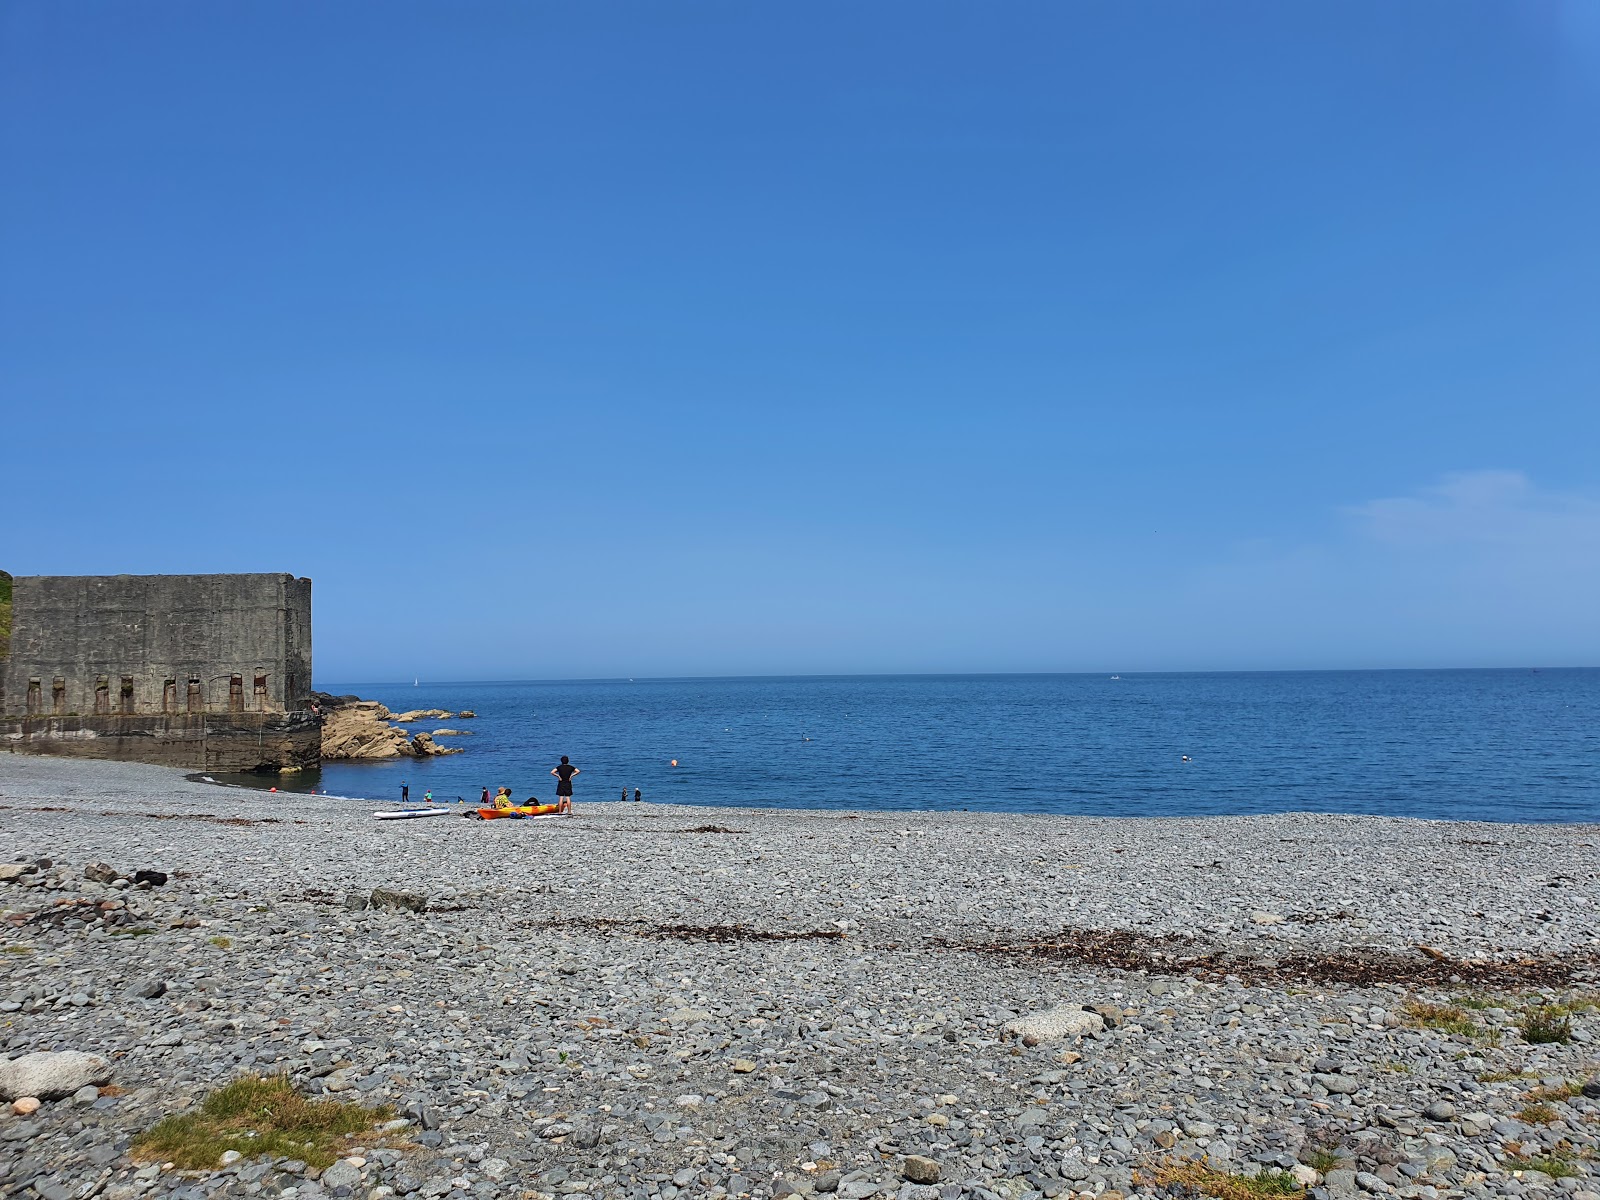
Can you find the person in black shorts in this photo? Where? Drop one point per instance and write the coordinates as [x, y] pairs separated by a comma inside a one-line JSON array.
[[564, 774]]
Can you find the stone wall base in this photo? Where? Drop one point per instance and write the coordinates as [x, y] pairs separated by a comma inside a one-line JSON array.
[[209, 742]]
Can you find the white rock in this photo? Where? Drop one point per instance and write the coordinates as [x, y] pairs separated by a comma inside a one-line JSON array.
[[1305, 1176], [50, 1076], [1052, 1024], [1262, 917]]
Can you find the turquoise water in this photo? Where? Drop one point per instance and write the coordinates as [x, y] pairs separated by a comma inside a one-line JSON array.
[[1482, 745]]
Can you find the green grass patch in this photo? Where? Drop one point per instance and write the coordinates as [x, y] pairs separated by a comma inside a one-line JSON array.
[[1560, 1091], [1445, 1018], [1320, 1160], [1537, 1114], [137, 931], [1199, 1179], [1547, 1023], [1550, 1164], [221, 943], [256, 1115], [19, 949]]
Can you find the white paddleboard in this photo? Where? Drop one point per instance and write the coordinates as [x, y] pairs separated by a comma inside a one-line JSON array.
[[405, 814]]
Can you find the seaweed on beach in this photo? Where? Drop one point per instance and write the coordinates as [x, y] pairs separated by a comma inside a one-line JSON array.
[[692, 933], [1121, 949]]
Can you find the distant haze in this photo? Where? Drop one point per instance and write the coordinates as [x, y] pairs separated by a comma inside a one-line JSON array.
[[601, 340]]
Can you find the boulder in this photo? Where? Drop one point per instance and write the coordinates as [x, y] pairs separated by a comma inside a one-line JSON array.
[[394, 898], [422, 714], [153, 878], [452, 733], [466, 714], [920, 1170], [99, 872], [50, 1076], [1052, 1024], [423, 746], [10, 871]]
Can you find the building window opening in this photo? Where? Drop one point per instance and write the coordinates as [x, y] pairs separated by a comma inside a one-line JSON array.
[[58, 696], [35, 697], [261, 689], [125, 694], [102, 695], [194, 695], [236, 693], [169, 696]]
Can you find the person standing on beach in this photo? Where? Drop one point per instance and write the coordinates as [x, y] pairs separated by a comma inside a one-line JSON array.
[[405, 792], [564, 774], [485, 800]]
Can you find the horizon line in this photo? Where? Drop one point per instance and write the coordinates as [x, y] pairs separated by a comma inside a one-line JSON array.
[[952, 675]]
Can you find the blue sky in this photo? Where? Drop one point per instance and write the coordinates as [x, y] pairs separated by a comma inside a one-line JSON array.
[[623, 339]]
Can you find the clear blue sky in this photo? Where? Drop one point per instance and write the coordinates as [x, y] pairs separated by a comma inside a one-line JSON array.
[[602, 339]]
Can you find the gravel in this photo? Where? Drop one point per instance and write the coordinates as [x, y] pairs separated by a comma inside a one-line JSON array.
[[633, 1003]]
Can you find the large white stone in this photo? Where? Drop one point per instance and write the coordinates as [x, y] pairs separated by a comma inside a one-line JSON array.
[[1052, 1024], [50, 1076]]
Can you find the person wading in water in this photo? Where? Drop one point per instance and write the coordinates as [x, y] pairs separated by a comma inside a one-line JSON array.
[[564, 774]]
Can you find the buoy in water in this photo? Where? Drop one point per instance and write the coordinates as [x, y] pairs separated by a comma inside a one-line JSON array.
[[272, 789], [674, 762]]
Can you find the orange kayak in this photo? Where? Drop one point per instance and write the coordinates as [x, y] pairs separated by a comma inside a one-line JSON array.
[[525, 810]]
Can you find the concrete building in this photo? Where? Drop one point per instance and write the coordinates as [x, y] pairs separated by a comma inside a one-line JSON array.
[[211, 672]]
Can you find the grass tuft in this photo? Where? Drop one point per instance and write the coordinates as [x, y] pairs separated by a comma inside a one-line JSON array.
[[255, 1115], [1561, 1091], [1506, 1076], [1320, 1160], [1546, 1024], [19, 949], [1446, 1018], [1537, 1114], [221, 943], [1200, 1179], [1556, 1168]]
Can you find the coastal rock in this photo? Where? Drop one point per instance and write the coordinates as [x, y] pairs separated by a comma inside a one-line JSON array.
[[1052, 1024], [10, 871], [452, 733], [360, 730], [466, 714], [354, 729], [99, 872], [51, 1076], [423, 746], [421, 714]]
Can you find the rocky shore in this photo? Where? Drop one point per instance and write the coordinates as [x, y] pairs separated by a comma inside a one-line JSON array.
[[655, 1002], [353, 728]]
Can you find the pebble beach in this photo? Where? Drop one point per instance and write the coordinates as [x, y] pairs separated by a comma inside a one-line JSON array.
[[651, 1001]]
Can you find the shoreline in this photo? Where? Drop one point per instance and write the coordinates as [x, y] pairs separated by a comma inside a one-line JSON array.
[[653, 993], [1317, 814]]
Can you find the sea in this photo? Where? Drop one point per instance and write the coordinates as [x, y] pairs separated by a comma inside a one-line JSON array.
[[1479, 745]]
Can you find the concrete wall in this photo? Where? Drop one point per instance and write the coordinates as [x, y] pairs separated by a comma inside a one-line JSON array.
[[89, 639], [136, 662]]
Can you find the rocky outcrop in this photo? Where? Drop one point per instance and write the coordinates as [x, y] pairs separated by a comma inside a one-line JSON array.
[[452, 733], [423, 714], [354, 729]]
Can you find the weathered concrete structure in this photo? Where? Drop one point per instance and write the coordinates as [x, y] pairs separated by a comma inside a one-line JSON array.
[[204, 671]]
